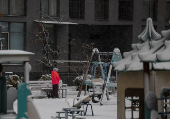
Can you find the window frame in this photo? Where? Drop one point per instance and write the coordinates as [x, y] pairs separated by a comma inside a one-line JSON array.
[[9, 41], [9, 14], [48, 14], [105, 13], [23, 32], [126, 19], [8, 34], [80, 15], [135, 92]]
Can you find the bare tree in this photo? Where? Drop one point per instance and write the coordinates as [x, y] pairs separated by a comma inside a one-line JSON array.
[[48, 56]]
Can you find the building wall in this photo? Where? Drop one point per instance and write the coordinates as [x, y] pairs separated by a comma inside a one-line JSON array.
[[104, 37], [161, 80], [126, 80], [32, 13], [158, 80], [130, 29]]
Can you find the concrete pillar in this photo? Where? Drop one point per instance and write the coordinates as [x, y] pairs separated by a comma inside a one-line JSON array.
[[89, 10], [62, 31], [64, 10]]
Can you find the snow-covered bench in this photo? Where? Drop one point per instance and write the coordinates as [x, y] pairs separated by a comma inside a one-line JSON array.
[[46, 86], [38, 85], [36, 88]]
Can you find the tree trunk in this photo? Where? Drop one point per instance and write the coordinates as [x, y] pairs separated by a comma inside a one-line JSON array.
[[85, 75]]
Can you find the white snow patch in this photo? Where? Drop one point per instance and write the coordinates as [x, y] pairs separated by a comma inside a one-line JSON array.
[[49, 107]]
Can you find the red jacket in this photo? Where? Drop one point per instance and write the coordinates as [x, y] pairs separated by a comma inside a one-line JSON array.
[[55, 77]]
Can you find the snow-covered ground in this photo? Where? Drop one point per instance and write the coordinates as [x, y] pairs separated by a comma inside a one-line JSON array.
[[48, 107]]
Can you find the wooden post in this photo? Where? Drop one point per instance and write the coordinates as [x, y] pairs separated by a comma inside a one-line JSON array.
[[146, 78]]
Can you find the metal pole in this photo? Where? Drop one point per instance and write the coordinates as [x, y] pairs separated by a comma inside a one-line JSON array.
[[146, 77], [1, 44]]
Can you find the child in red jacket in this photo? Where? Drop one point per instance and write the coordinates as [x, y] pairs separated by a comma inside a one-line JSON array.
[[55, 82]]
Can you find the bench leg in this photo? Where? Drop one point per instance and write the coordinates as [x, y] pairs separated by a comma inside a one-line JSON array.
[[66, 93], [92, 110], [59, 116], [62, 93], [86, 110], [81, 113], [66, 115]]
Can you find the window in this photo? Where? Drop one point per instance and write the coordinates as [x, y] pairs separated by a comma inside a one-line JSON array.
[[12, 7], [101, 9], [167, 10], [125, 9], [134, 103], [13, 34], [77, 9], [16, 36], [165, 103], [149, 9], [50, 8]]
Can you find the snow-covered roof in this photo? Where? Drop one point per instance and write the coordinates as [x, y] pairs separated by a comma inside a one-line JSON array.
[[15, 52], [14, 55], [152, 48]]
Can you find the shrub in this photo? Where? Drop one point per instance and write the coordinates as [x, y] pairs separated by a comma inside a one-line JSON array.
[[46, 77], [78, 80], [13, 80]]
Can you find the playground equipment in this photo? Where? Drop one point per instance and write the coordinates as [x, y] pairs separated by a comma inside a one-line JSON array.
[[164, 97], [78, 103], [152, 104], [26, 108], [101, 85], [116, 57]]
